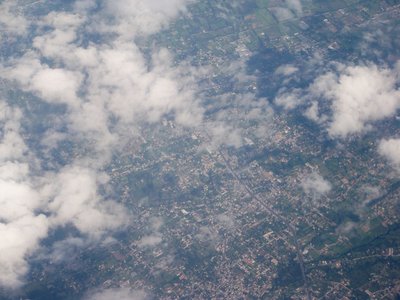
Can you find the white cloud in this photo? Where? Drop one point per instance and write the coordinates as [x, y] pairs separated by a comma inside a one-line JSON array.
[[391, 150], [150, 240], [21, 227], [315, 185], [132, 17], [84, 5], [225, 129], [66, 249], [117, 293], [360, 95], [286, 70], [19, 238], [111, 80], [238, 69], [346, 228], [288, 9], [155, 237], [107, 87], [54, 85], [289, 99], [12, 146], [313, 113], [11, 20], [68, 197], [75, 200], [54, 43], [223, 133]]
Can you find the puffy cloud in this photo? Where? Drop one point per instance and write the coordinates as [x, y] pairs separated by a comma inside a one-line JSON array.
[[289, 99], [150, 240], [134, 17], [117, 293], [55, 42], [155, 236], [19, 238], [107, 87], [357, 96], [313, 112], [75, 200], [12, 146], [132, 91], [111, 80], [239, 72], [346, 228], [315, 185], [66, 249], [360, 95], [288, 10], [224, 129], [286, 70], [54, 85], [119, 82], [391, 150], [222, 133], [11, 21], [57, 85], [31, 205], [21, 227], [84, 5]]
